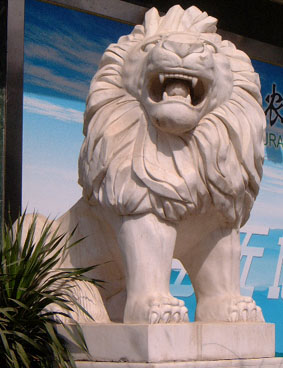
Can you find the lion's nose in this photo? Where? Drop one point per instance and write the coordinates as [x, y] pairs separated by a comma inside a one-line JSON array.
[[182, 49]]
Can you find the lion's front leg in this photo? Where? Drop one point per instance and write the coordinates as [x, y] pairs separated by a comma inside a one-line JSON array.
[[214, 268], [147, 245]]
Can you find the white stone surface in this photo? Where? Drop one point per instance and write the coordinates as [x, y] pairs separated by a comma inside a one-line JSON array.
[[170, 167], [240, 363], [177, 342]]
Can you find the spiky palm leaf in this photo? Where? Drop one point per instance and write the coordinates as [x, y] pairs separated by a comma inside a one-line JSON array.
[[29, 284]]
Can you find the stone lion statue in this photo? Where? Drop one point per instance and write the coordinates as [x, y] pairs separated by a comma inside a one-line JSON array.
[[170, 167]]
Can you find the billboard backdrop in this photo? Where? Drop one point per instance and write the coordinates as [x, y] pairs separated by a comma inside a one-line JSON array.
[[62, 51]]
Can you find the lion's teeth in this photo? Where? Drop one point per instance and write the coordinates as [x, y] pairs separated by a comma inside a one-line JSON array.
[[194, 82], [165, 96], [161, 78], [189, 99]]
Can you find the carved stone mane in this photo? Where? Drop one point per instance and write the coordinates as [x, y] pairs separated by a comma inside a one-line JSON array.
[[131, 164]]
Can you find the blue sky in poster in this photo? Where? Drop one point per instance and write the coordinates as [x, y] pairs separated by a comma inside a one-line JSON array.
[[268, 209], [63, 48], [62, 51]]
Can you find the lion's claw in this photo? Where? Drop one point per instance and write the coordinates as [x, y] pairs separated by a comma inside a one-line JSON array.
[[154, 318], [155, 310], [168, 313], [245, 309]]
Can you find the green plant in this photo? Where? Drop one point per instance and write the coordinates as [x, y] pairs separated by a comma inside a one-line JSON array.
[[29, 284]]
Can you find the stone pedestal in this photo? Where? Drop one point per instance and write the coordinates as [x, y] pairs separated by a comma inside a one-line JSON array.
[[187, 345], [240, 363]]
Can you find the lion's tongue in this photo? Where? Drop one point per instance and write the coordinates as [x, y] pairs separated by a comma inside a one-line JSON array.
[[177, 89]]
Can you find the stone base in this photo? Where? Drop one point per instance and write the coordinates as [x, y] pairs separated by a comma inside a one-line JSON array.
[[175, 342], [240, 363]]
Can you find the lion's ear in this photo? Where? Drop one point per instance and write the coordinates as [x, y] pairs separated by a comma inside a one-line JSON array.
[[172, 19], [197, 21], [178, 19], [151, 22], [207, 25], [138, 32]]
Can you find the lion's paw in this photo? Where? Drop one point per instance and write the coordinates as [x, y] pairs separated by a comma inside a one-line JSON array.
[[228, 309], [156, 310], [168, 310], [245, 309]]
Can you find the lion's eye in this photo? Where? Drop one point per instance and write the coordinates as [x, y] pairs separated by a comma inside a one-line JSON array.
[[210, 48], [149, 46], [196, 48]]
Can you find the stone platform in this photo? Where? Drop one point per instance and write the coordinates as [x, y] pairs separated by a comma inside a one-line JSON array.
[[240, 363], [182, 343]]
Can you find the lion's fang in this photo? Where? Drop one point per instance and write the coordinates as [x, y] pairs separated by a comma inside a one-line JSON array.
[[165, 96], [194, 82], [161, 78]]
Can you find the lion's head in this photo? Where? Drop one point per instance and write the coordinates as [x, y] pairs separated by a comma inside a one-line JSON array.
[[174, 122]]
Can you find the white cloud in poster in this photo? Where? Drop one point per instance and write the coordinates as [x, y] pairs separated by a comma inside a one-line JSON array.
[[78, 48], [50, 191], [83, 61], [68, 41], [272, 179], [268, 207], [272, 187], [61, 60], [42, 107], [44, 77]]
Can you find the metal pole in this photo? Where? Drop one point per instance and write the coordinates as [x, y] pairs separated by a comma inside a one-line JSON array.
[[14, 108]]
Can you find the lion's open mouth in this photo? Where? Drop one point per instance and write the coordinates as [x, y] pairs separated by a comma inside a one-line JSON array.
[[175, 86]]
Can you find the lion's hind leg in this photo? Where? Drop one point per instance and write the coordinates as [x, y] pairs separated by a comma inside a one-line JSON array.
[[87, 296], [81, 296]]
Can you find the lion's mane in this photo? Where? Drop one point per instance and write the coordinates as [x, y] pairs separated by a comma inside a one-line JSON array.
[[127, 163]]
